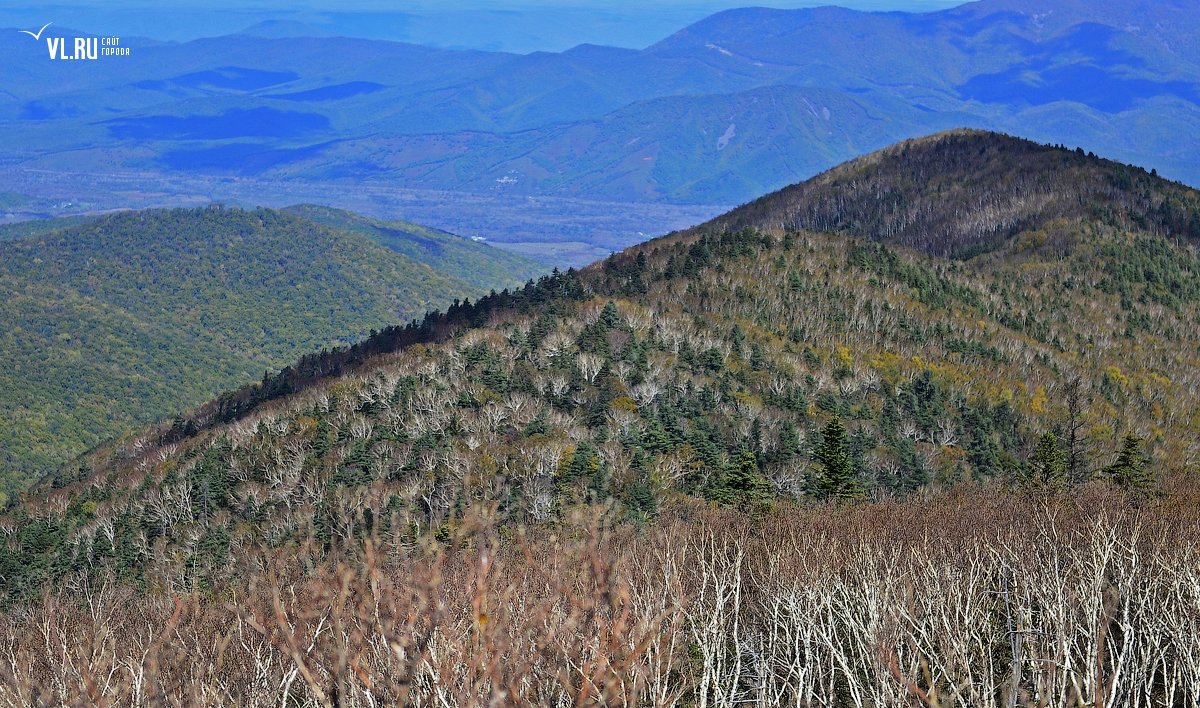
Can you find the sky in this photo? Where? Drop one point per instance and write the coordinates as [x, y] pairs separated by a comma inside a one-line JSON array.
[[501, 25]]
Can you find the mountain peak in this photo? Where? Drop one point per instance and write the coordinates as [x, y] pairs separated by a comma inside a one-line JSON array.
[[963, 192], [744, 23]]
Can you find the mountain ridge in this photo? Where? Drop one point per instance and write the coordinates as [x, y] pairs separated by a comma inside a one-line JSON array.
[[390, 342]]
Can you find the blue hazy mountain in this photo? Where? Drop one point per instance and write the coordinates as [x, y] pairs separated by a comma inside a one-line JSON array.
[[739, 103], [505, 25]]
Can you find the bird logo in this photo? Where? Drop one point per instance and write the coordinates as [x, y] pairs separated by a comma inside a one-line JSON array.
[[37, 37]]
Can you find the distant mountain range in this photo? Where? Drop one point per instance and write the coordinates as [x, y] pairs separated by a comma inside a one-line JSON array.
[[738, 104], [119, 320]]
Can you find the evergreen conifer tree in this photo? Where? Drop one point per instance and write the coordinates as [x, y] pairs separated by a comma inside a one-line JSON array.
[[1047, 466], [837, 480], [1129, 469], [742, 485]]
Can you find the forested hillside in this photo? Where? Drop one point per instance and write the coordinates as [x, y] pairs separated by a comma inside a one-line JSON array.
[[965, 192], [465, 259], [119, 320], [746, 366]]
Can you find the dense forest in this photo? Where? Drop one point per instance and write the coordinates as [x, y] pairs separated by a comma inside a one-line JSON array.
[[759, 463], [462, 258], [116, 321]]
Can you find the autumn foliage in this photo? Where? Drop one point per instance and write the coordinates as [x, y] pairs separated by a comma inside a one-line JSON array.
[[970, 598]]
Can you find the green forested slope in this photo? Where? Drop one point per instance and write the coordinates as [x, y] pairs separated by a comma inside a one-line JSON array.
[[469, 260], [22, 229], [125, 318]]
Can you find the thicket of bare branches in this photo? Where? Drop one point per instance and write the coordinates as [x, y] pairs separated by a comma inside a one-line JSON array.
[[973, 598]]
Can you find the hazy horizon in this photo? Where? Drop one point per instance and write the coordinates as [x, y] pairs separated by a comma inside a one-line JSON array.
[[524, 26]]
